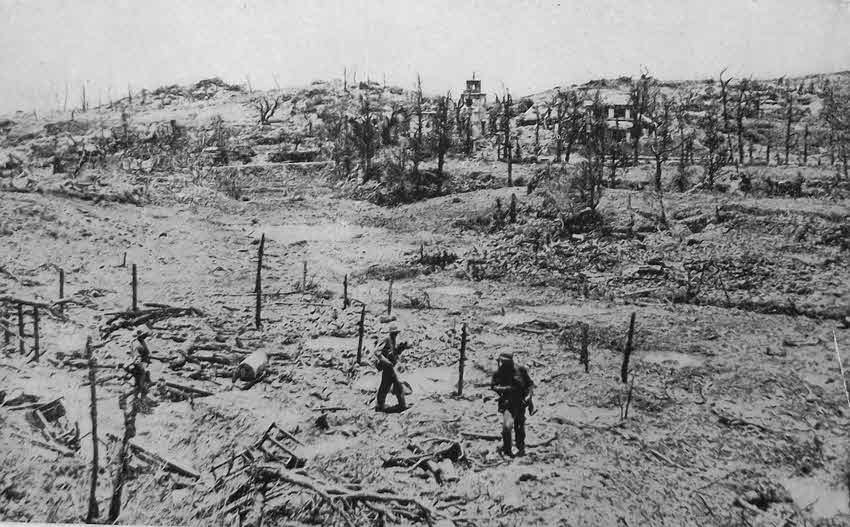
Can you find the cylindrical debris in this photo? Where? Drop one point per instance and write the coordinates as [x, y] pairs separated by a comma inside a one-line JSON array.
[[253, 366]]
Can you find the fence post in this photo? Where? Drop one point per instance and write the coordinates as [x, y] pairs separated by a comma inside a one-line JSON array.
[[258, 286], [35, 332], [360, 330], [135, 285], [462, 360], [624, 370], [21, 328]]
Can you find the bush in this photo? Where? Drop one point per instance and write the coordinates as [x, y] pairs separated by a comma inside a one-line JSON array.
[[227, 182]]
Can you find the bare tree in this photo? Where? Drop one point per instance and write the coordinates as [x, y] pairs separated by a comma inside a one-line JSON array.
[[618, 158], [493, 113], [741, 109], [391, 124], [537, 119], [336, 130], [806, 144], [569, 122], [837, 114], [595, 142], [724, 93], [266, 107], [507, 114], [417, 144], [84, 103], [640, 97], [442, 130], [662, 143], [789, 121], [686, 139], [366, 136], [715, 156]]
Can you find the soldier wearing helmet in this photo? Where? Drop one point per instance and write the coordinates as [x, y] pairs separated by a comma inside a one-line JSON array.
[[515, 387], [386, 357]]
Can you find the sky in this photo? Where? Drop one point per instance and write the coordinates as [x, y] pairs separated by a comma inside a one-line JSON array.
[[523, 46]]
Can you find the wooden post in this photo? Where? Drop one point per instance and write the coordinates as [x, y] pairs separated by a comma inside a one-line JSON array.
[[461, 361], [421, 252], [124, 261], [61, 289], [624, 370], [93, 512], [345, 302], [390, 299], [21, 328], [35, 332], [258, 285], [360, 329], [585, 358], [304, 277], [135, 284], [512, 210], [6, 324]]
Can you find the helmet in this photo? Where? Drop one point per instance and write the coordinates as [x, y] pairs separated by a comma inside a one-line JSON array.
[[506, 356], [143, 332], [392, 329]]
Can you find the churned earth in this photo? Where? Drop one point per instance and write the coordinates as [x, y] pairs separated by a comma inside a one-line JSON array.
[[738, 415]]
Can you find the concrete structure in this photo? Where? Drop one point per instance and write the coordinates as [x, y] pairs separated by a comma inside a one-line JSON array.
[[618, 113], [475, 106]]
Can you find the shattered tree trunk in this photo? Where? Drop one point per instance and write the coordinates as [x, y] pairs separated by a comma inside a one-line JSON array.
[[123, 457], [624, 369], [585, 358], [135, 285], [462, 360], [360, 330], [93, 511], [21, 328]]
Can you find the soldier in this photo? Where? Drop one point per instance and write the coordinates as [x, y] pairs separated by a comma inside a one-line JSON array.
[[138, 370], [140, 346], [515, 387], [386, 356]]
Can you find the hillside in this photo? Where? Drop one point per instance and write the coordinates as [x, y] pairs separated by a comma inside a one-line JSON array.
[[732, 412]]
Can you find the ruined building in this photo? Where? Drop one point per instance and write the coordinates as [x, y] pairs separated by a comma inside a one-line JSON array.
[[475, 106]]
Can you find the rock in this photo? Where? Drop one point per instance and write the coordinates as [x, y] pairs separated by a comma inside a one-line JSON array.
[[322, 422]]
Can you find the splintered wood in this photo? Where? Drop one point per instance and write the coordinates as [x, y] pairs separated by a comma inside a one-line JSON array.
[[129, 319], [344, 498]]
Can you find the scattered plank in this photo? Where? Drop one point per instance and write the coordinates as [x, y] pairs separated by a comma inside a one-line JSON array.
[[169, 464]]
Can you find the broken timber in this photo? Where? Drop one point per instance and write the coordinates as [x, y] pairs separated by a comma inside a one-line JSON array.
[[170, 465]]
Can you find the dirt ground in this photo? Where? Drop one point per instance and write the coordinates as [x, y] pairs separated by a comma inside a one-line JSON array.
[[738, 414]]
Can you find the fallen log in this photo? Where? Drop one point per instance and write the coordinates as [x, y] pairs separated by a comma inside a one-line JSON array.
[[171, 465], [214, 359], [56, 448], [498, 437], [333, 494], [253, 366], [189, 389], [129, 319]]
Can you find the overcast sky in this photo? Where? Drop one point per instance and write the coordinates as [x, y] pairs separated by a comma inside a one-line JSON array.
[[525, 46]]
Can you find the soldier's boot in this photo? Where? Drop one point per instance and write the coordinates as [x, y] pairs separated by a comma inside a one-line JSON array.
[[380, 405], [507, 429], [399, 394], [520, 437], [506, 442]]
